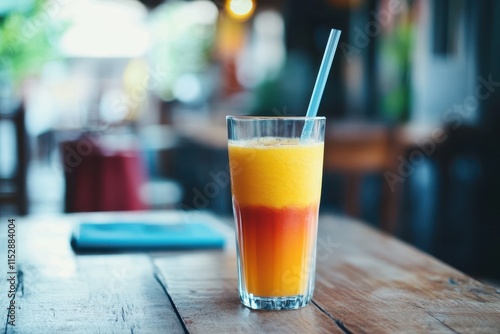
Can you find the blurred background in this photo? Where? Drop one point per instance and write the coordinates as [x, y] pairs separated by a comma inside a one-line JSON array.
[[115, 105]]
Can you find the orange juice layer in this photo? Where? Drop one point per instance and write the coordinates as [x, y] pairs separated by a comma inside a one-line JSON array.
[[275, 248], [275, 172]]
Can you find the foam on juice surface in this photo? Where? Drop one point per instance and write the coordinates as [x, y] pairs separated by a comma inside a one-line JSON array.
[[276, 172]]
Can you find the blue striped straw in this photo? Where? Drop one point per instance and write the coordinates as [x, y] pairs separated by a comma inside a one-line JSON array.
[[319, 86]]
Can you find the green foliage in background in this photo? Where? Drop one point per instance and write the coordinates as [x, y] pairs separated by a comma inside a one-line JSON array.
[[396, 48], [26, 40]]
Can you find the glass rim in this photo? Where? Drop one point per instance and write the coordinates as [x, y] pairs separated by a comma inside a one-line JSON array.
[[268, 118]]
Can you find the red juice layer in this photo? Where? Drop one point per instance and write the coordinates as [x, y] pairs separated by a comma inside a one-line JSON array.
[[276, 247]]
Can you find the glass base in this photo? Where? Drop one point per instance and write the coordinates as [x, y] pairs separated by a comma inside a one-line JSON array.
[[274, 303]]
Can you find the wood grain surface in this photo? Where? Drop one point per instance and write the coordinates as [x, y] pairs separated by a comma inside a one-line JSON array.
[[60, 292], [376, 284], [204, 289], [366, 282]]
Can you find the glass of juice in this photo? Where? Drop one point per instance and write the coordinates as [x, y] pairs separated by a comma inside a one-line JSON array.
[[276, 169]]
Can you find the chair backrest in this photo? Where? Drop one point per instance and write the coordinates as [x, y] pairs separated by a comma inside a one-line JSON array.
[[13, 192], [355, 150]]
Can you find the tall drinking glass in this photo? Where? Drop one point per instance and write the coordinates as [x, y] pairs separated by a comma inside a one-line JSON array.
[[276, 189]]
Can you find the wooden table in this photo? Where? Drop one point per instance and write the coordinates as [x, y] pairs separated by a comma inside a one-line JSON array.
[[365, 282]]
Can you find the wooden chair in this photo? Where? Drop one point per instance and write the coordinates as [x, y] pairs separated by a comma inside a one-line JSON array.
[[354, 150], [13, 187]]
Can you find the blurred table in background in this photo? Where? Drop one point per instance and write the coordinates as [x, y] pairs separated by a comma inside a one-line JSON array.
[[352, 150], [366, 281]]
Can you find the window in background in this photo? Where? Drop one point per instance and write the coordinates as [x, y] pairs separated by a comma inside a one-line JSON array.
[[264, 55], [104, 29], [444, 61], [183, 36]]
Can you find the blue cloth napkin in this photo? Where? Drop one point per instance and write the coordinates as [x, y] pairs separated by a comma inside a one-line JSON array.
[[134, 236]]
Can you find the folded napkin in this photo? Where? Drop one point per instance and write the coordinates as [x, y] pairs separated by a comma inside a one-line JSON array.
[[118, 236]]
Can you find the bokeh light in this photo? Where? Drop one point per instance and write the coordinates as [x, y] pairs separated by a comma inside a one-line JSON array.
[[240, 10]]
